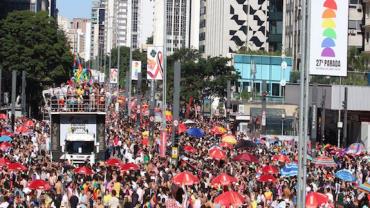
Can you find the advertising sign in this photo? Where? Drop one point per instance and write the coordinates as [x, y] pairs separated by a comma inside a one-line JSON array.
[[328, 37], [136, 69], [113, 76], [77, 124], [155, 63]]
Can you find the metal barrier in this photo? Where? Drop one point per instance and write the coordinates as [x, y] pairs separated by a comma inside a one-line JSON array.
[[77, 104]]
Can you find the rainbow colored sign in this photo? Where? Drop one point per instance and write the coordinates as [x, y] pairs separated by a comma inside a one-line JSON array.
[[328, 37], [329, 26]]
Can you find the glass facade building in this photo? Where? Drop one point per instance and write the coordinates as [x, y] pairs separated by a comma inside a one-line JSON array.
[[254, 69]]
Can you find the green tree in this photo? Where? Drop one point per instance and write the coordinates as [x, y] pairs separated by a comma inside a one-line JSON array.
[[32, 42], [200, 75]]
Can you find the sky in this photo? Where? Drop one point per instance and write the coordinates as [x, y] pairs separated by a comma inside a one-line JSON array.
[[74, 8]]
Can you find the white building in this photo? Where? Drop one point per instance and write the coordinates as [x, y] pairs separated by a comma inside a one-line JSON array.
[[227, 26], [183, 17], [78, 33], [146, 22]]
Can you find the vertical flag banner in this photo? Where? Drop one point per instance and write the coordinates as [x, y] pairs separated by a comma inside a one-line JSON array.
[[101, 77], [113, 75], [155, 63], [328, 37], [136, 69]]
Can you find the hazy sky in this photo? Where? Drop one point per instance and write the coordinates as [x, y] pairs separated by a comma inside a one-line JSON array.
[[74, 8]]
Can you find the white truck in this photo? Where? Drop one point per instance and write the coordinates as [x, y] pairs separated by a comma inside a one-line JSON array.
[[79, 148]]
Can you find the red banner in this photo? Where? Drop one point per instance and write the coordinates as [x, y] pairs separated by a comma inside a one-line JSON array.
[[163, 144]]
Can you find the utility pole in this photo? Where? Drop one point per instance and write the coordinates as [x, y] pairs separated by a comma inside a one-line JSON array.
[[23, 100], [14, 89], [1, 79], [176, 100], [304, 106], [130, 61], [164, 86], [340, 124], [263, 112], [151, 112], [345, 119], [323, 116], [138, 98], [228, 102]]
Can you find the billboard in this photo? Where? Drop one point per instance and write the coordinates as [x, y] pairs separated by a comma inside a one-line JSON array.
[[328, 37], [136, 69], [78, 124], [113, 75], [155, 63]]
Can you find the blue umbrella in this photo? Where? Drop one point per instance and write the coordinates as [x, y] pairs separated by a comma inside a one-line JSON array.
[[345, 175], [195, 132], [5, 139], [289, 170]]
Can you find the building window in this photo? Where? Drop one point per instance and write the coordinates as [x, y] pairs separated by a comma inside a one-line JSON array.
[[275, 89]]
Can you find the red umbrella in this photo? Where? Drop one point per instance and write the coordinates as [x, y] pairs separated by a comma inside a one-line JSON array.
[[3, 116], [270, 170], [246, 157], [16, 167], [315, 199], [6, 133], [226, 145], [185, 178], [267, 178], [129, 166], [190, 149], [22, 129], [83, 171], [113, 162], [217, 154], [230, 198], [4, 162], [281, 158], [39, 185], [29, 123], [182, 128], [223, 180], [4, 146]]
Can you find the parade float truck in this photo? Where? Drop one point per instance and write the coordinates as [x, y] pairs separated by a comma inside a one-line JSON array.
[[78, 136]]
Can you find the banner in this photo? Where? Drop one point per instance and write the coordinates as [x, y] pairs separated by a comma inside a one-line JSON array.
[[328, 37], [155, 63], [113, 76], [101, 77], [163, 144], [136, 69]]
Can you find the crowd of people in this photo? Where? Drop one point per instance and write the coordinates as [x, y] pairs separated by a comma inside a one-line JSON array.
[[152, 184]]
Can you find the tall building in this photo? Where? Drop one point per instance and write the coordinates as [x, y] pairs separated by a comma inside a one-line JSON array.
[[292, 28], [146, 22], [7, 6], [122, 23], [78, 33], [97, 46], [227, 26], [183, 17]]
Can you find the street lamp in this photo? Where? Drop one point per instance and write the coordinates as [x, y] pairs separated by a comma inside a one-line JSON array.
[[282, 123]]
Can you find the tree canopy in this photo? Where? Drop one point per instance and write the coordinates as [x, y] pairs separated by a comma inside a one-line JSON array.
[[200, 76], [31, 42]]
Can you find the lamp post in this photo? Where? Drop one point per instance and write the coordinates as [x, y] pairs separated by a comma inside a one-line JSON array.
[[282, 123]]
